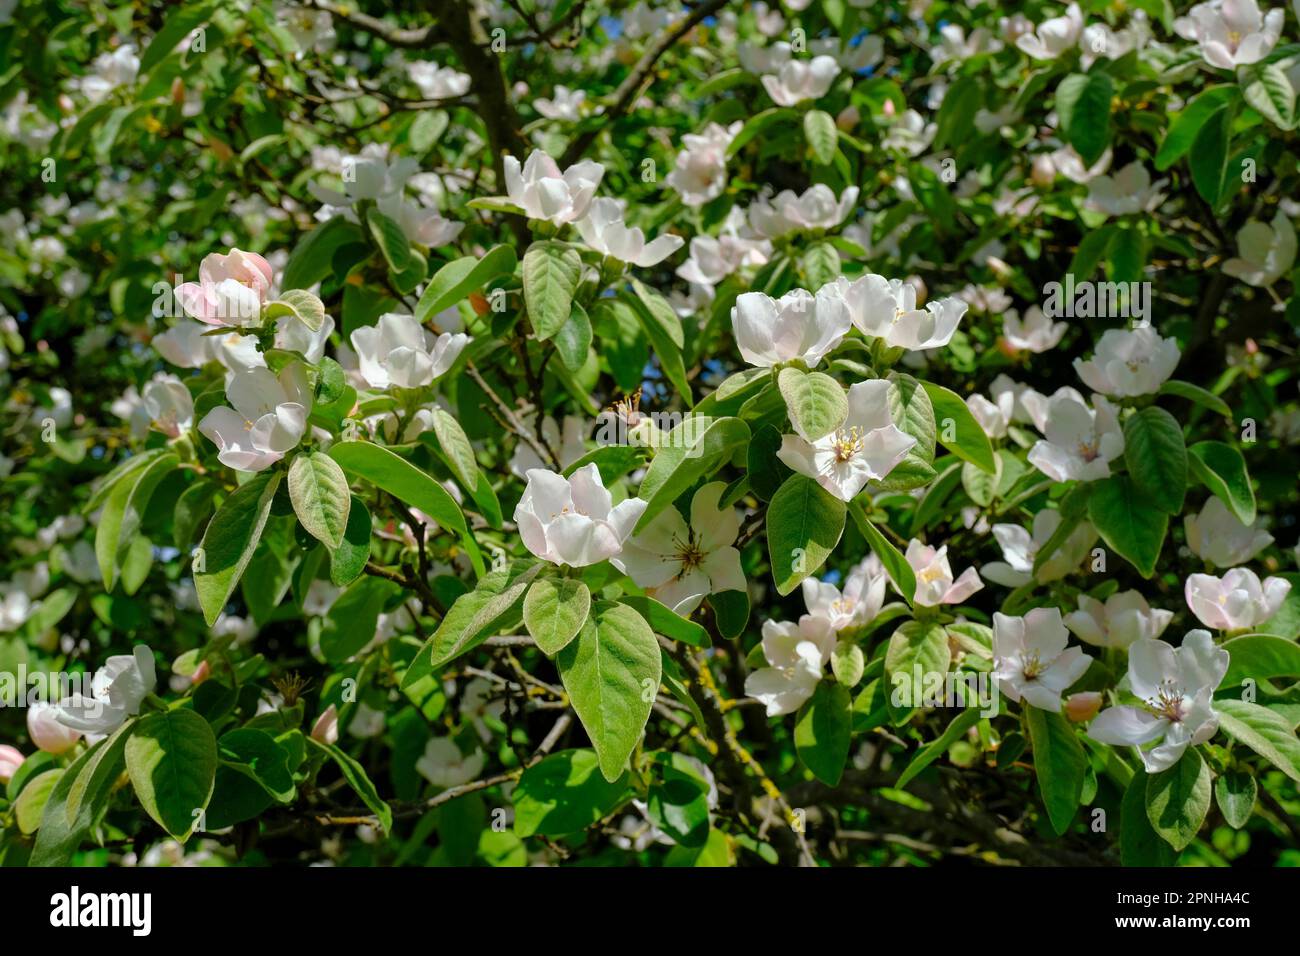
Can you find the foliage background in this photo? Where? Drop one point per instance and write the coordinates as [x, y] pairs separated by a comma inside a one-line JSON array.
[[203, 151]]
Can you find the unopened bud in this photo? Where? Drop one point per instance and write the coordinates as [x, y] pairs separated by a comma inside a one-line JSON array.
[[1043, 173], [1083, 706], [10, 760], [326, 728], [46, 731]]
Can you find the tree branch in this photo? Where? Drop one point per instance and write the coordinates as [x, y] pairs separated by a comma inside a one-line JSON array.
[[630, 88]]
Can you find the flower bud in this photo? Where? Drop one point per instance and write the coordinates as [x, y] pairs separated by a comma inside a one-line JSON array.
[[1043, 172], [326, 728], [10, 761], [848, 118], [46, 731], [1083, 706]]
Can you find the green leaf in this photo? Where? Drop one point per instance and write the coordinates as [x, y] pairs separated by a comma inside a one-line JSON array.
[[916, 650], [551, 274], [359, 781], [554, 611], [1267, 87], [1185, 125], [455, 447], [664, 330], [678, 801], [663, 620], [348, 560], [573, 341], [1209, 155], [255, 754], [1194, 393], [823, 731], [1235, 793], [427, 127], [816, 402], [565, 793], [1126, 252], [895, 563], [302, 305], [1128, 521], [804, 524], [474, 617], [458, 278], [930, 752], [1156, 457], [957, 430], [1060, 764], [693, 450], [911, 411], [123, 513], [136, 563], [350, 624], [1262, 730], [1090, 251], [230, 540], [848, 663], [30, 805], [66, 821], [193, 505], [822, 136], [1139, 844], [1083, 106], [980, 485], [172, 760], [1178, 800], [1221, 468], [661, 314], [820, 264], [611, 672], [312, 259], [181, 22], [127, 467], [390, 239], [1261, 657], [760, 123], [766, 472], [319, 492], [408, 484]]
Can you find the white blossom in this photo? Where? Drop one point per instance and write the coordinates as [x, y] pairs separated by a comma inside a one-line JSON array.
[[679, 564], [573, 521], [1030, 659], [1237, 601], [1129, 362], [866, 447], [1176, 687]]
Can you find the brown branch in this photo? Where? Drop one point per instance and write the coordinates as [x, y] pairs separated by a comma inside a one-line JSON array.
[[630, 88], [394, 36]]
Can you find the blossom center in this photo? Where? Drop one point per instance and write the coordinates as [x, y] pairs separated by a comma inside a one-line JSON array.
[[689, 553], [1169, 702], [1031, 666], [847, 443]]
